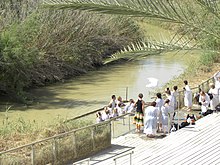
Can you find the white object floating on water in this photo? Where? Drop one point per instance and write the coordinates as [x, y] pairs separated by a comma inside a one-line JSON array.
[[153, 82]]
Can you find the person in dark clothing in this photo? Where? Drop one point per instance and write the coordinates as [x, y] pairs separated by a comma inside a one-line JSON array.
[[138, 118]]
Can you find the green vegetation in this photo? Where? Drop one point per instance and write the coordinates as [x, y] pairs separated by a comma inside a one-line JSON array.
[[59, 150], [40, 46], [195, 21]]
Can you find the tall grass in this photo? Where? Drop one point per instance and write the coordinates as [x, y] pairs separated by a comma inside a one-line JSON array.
[[40, 46], [62, 149]]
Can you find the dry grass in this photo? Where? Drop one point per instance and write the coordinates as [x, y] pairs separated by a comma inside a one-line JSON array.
[[67, 149], [195, 76]]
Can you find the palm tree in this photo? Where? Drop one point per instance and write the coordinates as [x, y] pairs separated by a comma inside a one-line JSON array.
[[199, 20]]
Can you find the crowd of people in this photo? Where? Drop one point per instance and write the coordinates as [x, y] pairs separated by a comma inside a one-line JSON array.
[[159, 115], [116, 107]]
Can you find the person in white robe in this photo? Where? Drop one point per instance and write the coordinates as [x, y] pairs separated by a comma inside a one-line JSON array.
[[119, 105], [215, 100], [204, 100], [112, 104], [187, 96], [98, 117], [150, 120], [217, 83], [175, 94], [106, 114], [130, 106], [165, 110], [159, 104], [171, 104]]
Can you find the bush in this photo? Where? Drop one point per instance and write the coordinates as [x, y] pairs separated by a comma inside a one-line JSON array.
[[40, 46]]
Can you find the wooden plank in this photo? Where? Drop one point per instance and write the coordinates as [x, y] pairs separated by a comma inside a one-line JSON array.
[[167, 155], [200, 145]]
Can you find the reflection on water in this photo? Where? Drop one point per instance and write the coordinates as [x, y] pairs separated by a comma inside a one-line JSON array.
[[93, 90]]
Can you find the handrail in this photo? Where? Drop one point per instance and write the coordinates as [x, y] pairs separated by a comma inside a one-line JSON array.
[[83, 115], [32, 145], [120, 156], [82, 161], [94, 111], [64, 134], [72, 131]]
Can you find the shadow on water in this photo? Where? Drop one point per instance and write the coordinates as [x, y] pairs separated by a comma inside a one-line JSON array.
[[56, 104]]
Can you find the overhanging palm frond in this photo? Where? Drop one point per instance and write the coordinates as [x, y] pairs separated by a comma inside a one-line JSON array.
[[195, 16], [185, 12], [142, 49], [211, 5], [137, 8]]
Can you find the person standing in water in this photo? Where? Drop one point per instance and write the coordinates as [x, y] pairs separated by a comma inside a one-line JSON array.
[[138, 119]]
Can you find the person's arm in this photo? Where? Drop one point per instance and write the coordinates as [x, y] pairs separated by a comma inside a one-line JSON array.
[[143, 106]]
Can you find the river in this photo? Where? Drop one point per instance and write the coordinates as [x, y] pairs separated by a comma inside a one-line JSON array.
[[93, 90]]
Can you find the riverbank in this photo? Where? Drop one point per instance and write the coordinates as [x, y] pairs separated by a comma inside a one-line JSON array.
[[194, 76], [40, 46]]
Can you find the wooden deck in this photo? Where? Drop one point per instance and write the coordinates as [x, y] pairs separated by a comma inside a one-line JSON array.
[[199, 144]]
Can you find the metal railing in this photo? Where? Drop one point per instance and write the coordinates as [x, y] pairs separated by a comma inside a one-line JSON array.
[[80, 142], [61, 148], [195, 90], [71, 145], [84, 161], [203, 86], [120, 156]]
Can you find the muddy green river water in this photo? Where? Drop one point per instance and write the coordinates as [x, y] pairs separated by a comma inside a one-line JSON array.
[[93, 90]]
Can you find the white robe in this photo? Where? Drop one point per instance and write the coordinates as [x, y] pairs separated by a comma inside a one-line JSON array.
[[129, 108], [187, 96], [165, 117], [214, 102], [205, 100], [175, 95], [159, 105], [217, 83], [150, 120], [172, 103]]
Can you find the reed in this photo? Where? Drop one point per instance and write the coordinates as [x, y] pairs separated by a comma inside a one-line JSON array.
[[40, 46]]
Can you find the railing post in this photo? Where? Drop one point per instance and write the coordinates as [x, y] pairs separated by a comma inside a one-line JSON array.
[[202, 86], [54, 150], [169, 124], [74, 145], [32, 155], [178, 116], [113, 133], [129, 123], [126, 94], [93, 138], [131, 158]]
